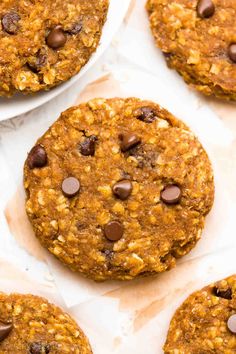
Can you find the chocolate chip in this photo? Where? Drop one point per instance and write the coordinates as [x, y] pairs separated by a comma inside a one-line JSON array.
[[145, 114], [37, 157], [87, 147], [5, 329], [56, 38], [205, 8], [39, 348], [225, 294], [145, 156], [232, 52], [76, 28], [171, 194], [114, 231], [10, 22], [37, 63], [128, 141], [122, 189], [41, 60], [231, 323], [70, 187]]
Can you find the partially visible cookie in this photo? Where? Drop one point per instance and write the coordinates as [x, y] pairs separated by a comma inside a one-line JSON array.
[[44, 43], [31, 325], [118, 189], [198, 39], [205, 322]]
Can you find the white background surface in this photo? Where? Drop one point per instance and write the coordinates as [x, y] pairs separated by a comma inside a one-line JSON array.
[[127, 319]]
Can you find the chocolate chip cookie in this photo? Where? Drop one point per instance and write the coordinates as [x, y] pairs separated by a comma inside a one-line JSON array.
[[118, 188], [44, 43], [31, 325], [206, 321], [198, 40]]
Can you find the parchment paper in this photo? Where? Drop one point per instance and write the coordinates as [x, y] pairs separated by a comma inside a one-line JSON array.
[[135, 318], [217, 234], [104, 338]]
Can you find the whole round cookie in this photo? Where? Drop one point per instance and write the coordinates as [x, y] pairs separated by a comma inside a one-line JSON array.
[[118, 188], [206, 321], [198, 40], [30, 324], [44, 43]]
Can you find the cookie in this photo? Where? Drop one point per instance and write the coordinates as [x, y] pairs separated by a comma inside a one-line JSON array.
[[31, 325], [44, 43], [198, 40], [118, 188], [206, 321]]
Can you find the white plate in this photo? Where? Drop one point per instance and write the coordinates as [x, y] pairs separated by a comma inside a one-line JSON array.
[[20, 104]]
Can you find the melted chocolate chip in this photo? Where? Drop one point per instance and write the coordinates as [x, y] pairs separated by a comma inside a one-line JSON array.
[[37, 157], [129, 141], [70, 187], [76, 28], [5, 329], [171, 194], [10, 22], [122, 189], [37, 63], [205, 8], [232, 52], [145, 114], [114, 231], [41, 60], [39, 348], [56, 38], [224, 294], [145, 156], [87, 147], [231, 324]]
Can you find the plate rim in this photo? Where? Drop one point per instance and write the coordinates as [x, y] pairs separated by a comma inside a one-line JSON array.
[[46, 96]]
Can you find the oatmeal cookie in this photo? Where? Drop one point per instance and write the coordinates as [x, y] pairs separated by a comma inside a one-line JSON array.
[[44, 43], [31, 325], [198, 39], [206, 322], [118, 188]]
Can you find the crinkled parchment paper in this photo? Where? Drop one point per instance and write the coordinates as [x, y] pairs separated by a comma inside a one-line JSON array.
[[134, 318], [104, 336], [217, 234]]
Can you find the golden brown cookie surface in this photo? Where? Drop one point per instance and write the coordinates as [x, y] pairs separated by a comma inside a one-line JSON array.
[[198, 40], [44, 43], [118, 188], [30, 324], [206, 321]]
